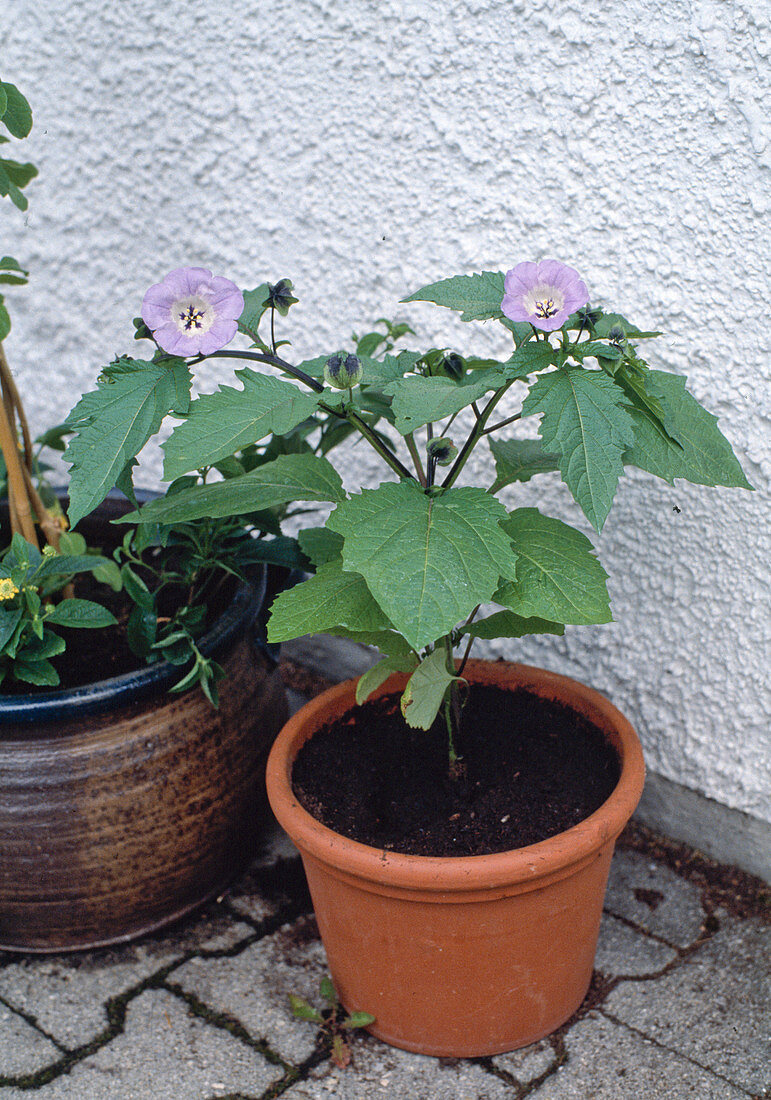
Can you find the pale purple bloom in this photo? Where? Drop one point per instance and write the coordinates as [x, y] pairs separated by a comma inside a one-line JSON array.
[[191, 312], [544, 294]]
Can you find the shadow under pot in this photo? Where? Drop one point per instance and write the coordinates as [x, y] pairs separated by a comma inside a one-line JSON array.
[[124, 807]]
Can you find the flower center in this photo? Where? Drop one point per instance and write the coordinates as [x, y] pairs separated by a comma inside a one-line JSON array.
[[546, 308], [193, 314]]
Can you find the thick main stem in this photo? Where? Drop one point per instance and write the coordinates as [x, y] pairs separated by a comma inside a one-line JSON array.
[[475, 435]]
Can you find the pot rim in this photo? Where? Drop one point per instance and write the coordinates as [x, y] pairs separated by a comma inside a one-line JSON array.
[[553, 857]]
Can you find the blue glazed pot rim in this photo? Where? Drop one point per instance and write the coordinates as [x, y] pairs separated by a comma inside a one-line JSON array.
[[104, 695]]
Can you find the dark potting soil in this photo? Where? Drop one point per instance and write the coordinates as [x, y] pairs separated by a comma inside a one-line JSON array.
[[531, 769]]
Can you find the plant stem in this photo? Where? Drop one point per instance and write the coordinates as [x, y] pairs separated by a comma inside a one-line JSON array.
[[412, 447], [474, 436], [502, 423], [20, 509]]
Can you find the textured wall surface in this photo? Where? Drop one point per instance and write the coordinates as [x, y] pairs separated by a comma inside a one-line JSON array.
[[367, 147]]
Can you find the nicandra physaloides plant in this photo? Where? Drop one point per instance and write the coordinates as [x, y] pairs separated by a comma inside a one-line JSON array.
[[425, 562]]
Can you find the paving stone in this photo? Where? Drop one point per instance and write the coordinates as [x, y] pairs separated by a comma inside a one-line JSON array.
[[164, 1051], [606, 1061], [378, 1070], [714, 1007], [622, 950], [254, 986], [529, 1062], [22, 1047], [654, 897], [67, 993]]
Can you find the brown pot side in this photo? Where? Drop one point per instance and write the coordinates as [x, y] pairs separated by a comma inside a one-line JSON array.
[[115, 825], [472, 956]]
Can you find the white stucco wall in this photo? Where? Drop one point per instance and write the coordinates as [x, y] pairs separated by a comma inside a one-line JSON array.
[[367, 147]]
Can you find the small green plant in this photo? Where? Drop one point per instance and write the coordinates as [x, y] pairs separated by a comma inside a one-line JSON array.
[[335, 1023], [29, 583]]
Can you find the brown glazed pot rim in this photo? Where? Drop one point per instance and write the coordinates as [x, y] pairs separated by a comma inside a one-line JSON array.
[[529, 866]]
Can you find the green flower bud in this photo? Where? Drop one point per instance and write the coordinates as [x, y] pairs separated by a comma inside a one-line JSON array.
[[342, 373], [442, 450], [454, 367]]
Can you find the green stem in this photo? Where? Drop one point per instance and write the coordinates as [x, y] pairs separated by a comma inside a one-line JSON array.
[[475, 435], [412, 447], [449, 708]]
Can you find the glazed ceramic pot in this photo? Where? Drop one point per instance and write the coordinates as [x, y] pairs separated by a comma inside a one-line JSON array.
[[461, 956], [122, 807]]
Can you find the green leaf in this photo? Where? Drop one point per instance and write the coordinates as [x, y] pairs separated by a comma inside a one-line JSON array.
[[17, 115], [303, 1011], [66, 565], [3, 101], [327, 990], [221, 423], [286, 478], [141, 630], [704, 455], [81, 614], [320, 544], [387, 641], [50, 645], [5, 322], [136, 589], [40, 673], [609, 320], [519, 460], [358, 1019], [329, 599], [506, 624], [476, 297], [9, 620], [531, 357], [426, 690], [109, 574], [372, 679], [255, 305], [113, 423], [558, 577], [428, 560], [586, 421], [419, 400], [19, 174]]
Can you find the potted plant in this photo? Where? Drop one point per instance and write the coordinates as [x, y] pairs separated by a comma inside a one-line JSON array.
[[127, 800], [459, 912]]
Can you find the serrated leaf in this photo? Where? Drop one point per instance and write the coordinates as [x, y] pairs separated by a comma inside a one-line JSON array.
[[507, 624], [82, 614], [112, 424], [329, 599], [374, 677], [286, 478], [586, 421], [320, 544], [425, 691], [558, 577], [50, 645], [221, 423], [529, 358], [519, 460], [419, 400], [704, 455], [428, 560], [340, 1054], [475, 297], [17, 115], [304, 1011], [387, 641]]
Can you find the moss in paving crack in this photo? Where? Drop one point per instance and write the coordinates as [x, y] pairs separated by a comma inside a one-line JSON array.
[[524, 1089]]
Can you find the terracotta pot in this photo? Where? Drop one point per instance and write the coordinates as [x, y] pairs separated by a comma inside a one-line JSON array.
[[123, 807], [461, 957]]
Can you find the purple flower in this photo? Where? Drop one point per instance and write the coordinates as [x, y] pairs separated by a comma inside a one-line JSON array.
[[544, 294], [191, 312]]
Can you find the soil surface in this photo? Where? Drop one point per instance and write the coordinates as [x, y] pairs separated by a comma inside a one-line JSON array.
[[531, 769]]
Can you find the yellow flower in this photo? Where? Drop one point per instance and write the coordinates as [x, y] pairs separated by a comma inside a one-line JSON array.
[[7, 589]]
